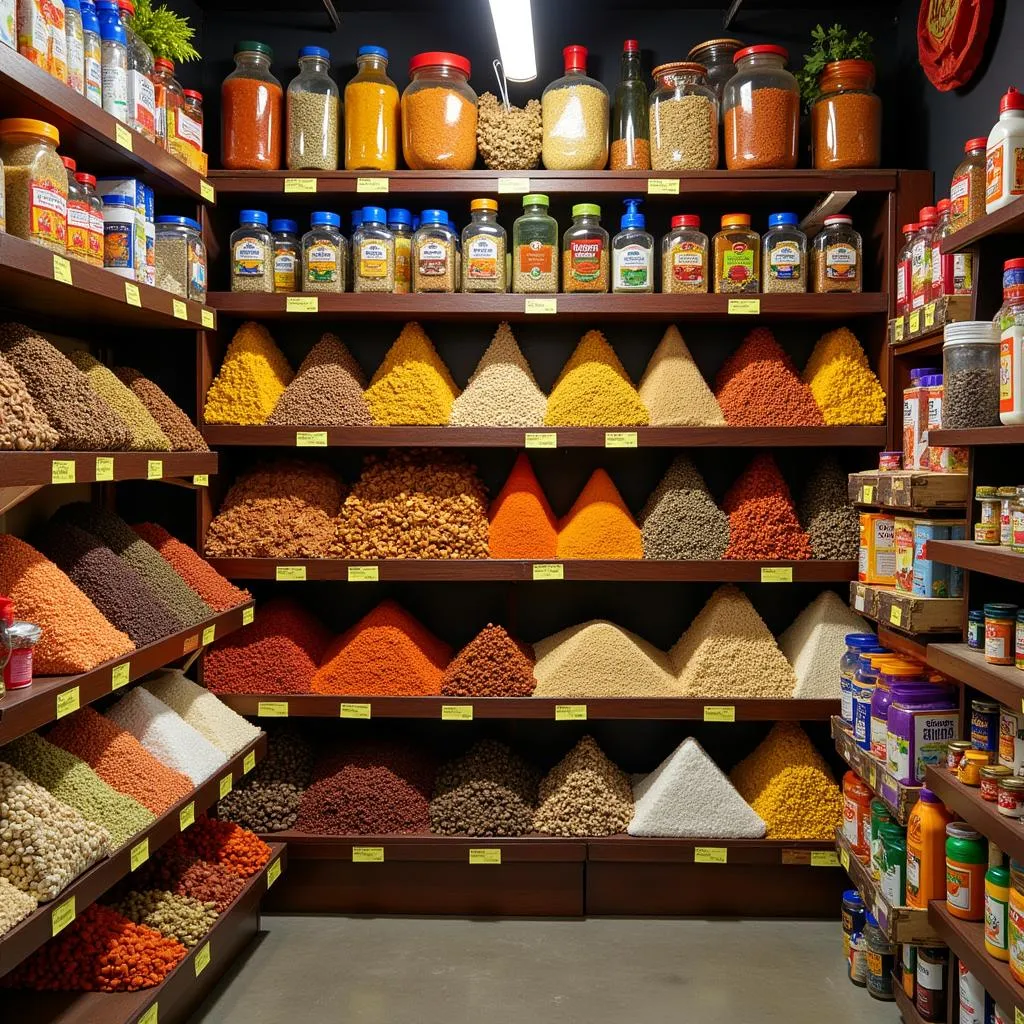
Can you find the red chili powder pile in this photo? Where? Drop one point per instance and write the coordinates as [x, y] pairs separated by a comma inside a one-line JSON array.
[[386, 653], [522, 523], [492, 664], [762, 521], [599, 525], [758, 386], [278, 653]]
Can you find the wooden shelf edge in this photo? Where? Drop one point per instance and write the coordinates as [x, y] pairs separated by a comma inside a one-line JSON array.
[[1009, 220], [989, 559], [978, 436], [1004, 683], [24, 469]]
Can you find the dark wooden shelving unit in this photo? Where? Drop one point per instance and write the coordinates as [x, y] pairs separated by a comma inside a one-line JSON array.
[[986, 558], [1007, 221], [978, 436], [900, 799], [908, 1011], [1004, 683], [926, 343], [36, 705], [27, 469], [25, 938]]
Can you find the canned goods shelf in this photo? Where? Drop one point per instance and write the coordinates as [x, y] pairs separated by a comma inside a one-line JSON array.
[[1004, 683]]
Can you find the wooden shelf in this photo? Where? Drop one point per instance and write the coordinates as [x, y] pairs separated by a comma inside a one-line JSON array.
[[908, 1011], [88, 133], [1004, 683], [25, 938], [993, 560], [919, 619], [658, 307], [182, 990], [26, 709], [1007, 221], [223, 436], [907, 491], [907, 644], [931, 343], [978, 436], [316, 705], [624, 848], [437, 570], [967, 940], [97, 296], [37, 468]]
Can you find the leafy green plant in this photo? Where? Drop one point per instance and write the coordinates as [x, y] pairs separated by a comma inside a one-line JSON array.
[[167, 34], [827, 46]]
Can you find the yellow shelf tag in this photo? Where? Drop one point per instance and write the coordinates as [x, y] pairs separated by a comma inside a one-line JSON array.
[[206, 190], [549, 571], [541, 306], [299, 185], [104, 469], [302, 304], [62, 471], [744, 307], [311, 439], [867, 494], [824, 859], [915, 321], [897, 329], [710, 855], [844, 859], [249, 762], [355, 711], [896, 615], [484, 856], [777, 574], [187, 815], [154, 469], [533, 440], [120, 676], [373, 185], [151, 1016], [202, 960], [273, 872], [68, 702], [570, 712], [123, 137], [225, 785], [208, 319], [201, 480], [456, 712], [719, 713], [131, 294], [62, 269], [367, 854], [209, 635], [179, 309], [620, 439], [248, 615], [140, 854], [513, 186], [62, 915], [929, 315], [272, 709], [290, 573], [363, 574], [663, 186]]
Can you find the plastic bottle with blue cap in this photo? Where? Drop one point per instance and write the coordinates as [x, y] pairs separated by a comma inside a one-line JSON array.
[[324, 254], [373, 253], [400, 225], [433, 254], [313, 114], [633, 252], [252, 249], [114, 50], [287, 255], [784, 255]]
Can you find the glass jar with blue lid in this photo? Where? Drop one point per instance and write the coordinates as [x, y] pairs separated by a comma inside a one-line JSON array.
[[784, 255], [313, 113], [180, 257]]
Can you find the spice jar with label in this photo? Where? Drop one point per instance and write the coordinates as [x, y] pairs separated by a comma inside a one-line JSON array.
[[881, 960], [373, 253], [252, 247], [585, 251], [78, 214], [966, 863], [88, 183], [684, 257], [168, 100], [838, 256], [251, 111], [188, 128], [433, 254], [1006, 497], [535, 247], [976, 629], [400, 225], [737, 252], [1000, 633], [967, 189], [483, 249], [287, 255], [784, 255], [120, 233], [633, 252], [1011, 797], [141, 97], [991, 777], [36, 193], [930, 991], [324, 254]]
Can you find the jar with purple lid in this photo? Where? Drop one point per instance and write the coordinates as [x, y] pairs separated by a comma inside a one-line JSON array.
[[920, 726], [880, 701], [856, 644]]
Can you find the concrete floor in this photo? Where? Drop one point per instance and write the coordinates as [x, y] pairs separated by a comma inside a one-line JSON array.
[[599, 971]]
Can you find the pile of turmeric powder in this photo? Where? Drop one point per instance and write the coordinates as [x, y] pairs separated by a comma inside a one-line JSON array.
[[599, 525], [252, 378], [522, 524]]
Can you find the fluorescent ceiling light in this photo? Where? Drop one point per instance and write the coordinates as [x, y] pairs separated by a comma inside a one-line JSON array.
[[513, 25]]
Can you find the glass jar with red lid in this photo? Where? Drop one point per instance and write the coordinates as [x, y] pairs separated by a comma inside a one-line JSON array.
[[762, 110], [439, 110], [189, 128], [903, 286], [967, 189], [684, 256]]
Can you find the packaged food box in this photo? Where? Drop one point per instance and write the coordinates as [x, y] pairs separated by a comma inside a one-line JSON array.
[[876, 561], [903, 544], [931, 578]]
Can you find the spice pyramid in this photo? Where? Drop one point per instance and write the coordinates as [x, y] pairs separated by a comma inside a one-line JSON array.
[[599, 525], [327, 391], [502, 391], [673, 390], [815, 641], [412, 386], [788, 784], [825, 512], [759, 386], [584, 795], [762, 521], [387, 652], [522, 524], [728, 651], [23, 426], [681, 520], [492, 664], [842, 382], [689, 797], [251, 380], [175, 424], [600, 659], [594, 390]]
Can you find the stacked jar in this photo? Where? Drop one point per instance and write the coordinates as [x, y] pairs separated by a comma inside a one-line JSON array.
[[838, 256]]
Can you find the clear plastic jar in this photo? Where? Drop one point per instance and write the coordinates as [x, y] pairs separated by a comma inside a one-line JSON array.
[[684, 257], [141, 100], [373, 253], [92, 57], [287, 255], [252, 252], [439, 114], [433, 254], [737, 252], [169, 99], [970, 372], [967, 189], [313, 114], [717, 55], [484, 244], [400, 225], [585, 259], [114, 52], [180, 258], [574, 109], [56, 21], [251, 116], [684, 119], [535, 247], [838, 256], [762, 111], [784, 255], [903, 268], [75, 42], [88, 184], [36, 182], [846, 118], [324, 251], [78, 215], [372, 119]]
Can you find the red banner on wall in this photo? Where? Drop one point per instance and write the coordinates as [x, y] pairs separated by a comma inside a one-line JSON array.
[[951, 37]]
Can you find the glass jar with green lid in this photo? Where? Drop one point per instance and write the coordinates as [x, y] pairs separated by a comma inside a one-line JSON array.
[[535, 247], [880, 815], [585, 251], [892, 864]]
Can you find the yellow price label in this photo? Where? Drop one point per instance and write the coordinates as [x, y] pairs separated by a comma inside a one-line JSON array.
[[187, 816], [484, 856], [897, 329], [62, 915], [710, 855], [373, 185], [290, 573], [824, 859], [302, 304], [201, 480], [68, 702], [868, 494], [541, 306], [154, 469], [549, 571], [363, 574], [311, 439], [140, 854], [248, 615], [929, 315], [206, 190], [272, 709], [123, 137], [131, 294], [896, 615], [777, 574], [209, 635], [663, 186], [104, 469], [534, 440], [620, 439], [62, 471], [208, 319], [356, 711], [121, 675], [62, 269], [456, 712], [897, 484], [226, 785], [367, 854], [719, 713], [273, 872], [844, 859], [513, 186], [202, 960], [179, 309], [744, 307], [249, 762], [151, 1016], [570, 712], [300, 185], [915, 321]]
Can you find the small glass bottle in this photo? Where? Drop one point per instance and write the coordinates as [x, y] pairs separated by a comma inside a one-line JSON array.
[[372, 120], [141, 101], [585, 252], [684, 257], [784, 255], [633, 252], [373, 253], [92, 56], [287, 255], [400, 225], [323, 254], [921, 258], [737, 252], [114, 48], [313, 113], [78, 215], [88, 183], [188, 126], [252, 253], [433, 254], [75, 36], [631, 141], [168, 98], [535, 248], [483, 248], [838, 256]]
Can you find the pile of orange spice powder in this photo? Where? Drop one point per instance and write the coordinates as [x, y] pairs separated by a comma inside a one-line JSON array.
[[599, 525], [763, 523], [522, 524]]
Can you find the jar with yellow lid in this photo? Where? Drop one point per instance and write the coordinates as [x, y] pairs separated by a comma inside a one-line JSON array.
[[484, 243], [969, 772], [737, 252], [35, 182], [1017, 522]]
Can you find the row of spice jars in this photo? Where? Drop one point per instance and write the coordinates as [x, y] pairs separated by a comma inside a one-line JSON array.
[[923, 272], [995, 524], [997, 630]]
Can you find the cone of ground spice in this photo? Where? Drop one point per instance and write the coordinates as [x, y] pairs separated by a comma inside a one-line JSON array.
[[492, 664], [251, 380], [175, 424], [522, 524], [599, 525], [673, 390], [763, 523], [842, 382], [680, 520]]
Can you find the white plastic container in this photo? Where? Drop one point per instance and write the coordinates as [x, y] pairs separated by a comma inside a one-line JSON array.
[[119, 235], [1010, 323], [1004, 166]]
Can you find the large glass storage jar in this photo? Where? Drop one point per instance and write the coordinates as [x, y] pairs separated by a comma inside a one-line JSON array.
[[250, 118], [575, 114], [180, 257], [36, 182], [169, 99], [372, 121], [846, 118], [313, 114], [717, 56], [535, 247], [970, 375], [585, 261], [684, 119], [141, 100], [762, 111], [838, 256], [439, 114]]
